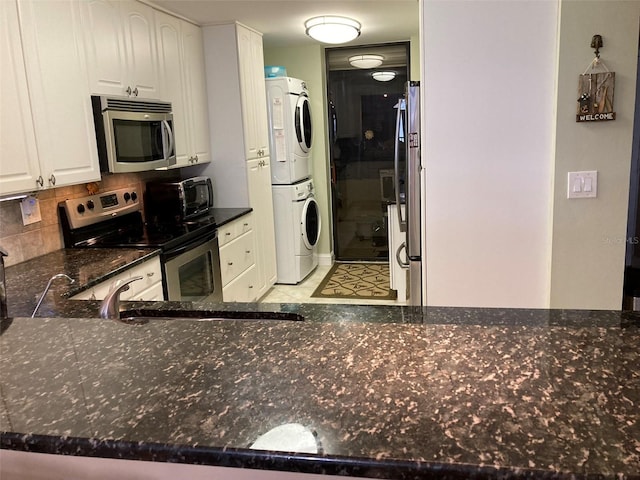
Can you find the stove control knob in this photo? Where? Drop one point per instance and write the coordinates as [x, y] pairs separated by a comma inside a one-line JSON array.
[[80, 208], [91, 205], [134, 196], [126, 196]]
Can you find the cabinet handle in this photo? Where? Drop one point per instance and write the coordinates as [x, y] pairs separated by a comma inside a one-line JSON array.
[[228, 233], [196, 158], [150, 274], [135, 91], [246, 224], [128, 91], [247, 252], [250, 286], [93, 296], [229, 263], [52, 179], [40, 180]]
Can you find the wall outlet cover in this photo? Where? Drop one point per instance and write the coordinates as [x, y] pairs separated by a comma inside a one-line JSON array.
[[30, 208]]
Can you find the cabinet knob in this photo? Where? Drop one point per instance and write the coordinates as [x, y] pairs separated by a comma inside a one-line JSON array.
[[250, 286], [52, 179], [229, 263], [247, 252], [228, 234], [150, 274]]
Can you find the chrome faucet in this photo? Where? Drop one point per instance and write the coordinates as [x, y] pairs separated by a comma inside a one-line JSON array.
[[3, 285], [110, 307], [46, 289]]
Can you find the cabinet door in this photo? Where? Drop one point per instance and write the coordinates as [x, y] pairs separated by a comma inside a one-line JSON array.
[[19, 167], [259, 180], [260, 96], [140, 44], [196, 92], [58, 88], [254, 98], [104, 43], [168, 33]]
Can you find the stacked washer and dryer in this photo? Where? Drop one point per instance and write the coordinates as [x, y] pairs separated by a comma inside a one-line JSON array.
[[295, 210]]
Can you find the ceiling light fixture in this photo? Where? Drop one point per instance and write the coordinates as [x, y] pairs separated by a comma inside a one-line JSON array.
[[366, 61], [332, 29], [383, 76]]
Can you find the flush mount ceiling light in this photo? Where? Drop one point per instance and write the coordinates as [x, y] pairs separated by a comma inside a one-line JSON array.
[[383, 76], [332, 29], [366, 61]]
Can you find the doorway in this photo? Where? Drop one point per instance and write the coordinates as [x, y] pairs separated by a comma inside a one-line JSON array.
[[362, 124], [631, 296]]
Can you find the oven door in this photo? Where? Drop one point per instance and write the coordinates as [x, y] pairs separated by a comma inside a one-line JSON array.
[[192, 272]]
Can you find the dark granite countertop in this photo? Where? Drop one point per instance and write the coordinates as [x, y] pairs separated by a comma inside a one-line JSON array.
[[448, 399], [390, 392]]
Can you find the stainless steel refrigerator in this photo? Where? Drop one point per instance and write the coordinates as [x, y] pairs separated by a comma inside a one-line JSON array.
[[408, 173]]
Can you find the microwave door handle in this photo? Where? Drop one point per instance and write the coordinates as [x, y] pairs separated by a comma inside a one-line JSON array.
[[168, 135], [396, 162]]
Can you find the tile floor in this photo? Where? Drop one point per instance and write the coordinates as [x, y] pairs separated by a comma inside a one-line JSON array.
[[301, 293]]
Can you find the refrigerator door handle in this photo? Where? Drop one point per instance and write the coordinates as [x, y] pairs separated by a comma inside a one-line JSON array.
[[402, 223], [403, 264]]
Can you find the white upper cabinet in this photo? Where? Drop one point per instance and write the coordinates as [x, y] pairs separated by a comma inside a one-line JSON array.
[[58, 100], [254, 100], [19, 166], [196, 90], [182, 80], [120, 38]]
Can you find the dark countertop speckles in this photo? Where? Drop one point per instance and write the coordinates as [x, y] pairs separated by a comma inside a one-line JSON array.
[[554, 399], [391, 392]]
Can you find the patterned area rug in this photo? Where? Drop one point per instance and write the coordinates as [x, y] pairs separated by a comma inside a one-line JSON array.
[[356, 280]]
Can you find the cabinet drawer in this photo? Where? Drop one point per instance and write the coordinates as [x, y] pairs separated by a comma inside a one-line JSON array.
[[150, 271], [233, 230], [151, 294], [236, 257], [242, 289]]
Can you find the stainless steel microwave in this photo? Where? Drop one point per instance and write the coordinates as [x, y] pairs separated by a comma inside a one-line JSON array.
[[133, 135]]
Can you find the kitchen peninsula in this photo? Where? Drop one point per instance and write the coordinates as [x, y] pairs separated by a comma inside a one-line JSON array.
[[388, 392]]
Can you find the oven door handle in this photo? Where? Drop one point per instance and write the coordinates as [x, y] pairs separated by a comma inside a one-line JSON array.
[[195, 243]]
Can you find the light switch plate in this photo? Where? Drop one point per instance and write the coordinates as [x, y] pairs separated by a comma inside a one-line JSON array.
[[582, 184], [30, 208]]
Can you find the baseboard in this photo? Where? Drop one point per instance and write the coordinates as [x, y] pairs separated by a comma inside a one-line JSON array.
[[326, 259]]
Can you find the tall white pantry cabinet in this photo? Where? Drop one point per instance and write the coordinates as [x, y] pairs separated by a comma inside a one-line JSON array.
[[240, 165]]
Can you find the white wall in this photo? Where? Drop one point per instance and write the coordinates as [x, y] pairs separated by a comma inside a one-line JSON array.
[[489, 70], [589, 234]]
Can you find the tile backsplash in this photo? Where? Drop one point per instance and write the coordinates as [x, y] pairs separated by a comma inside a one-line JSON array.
[[26, 242]]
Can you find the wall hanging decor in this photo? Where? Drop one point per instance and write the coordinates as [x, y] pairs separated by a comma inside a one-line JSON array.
[[595, 89]]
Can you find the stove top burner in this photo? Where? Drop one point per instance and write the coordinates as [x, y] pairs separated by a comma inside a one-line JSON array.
[[130, 231]]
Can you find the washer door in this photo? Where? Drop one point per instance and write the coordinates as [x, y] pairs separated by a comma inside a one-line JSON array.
[[310, 223], [303, 123]]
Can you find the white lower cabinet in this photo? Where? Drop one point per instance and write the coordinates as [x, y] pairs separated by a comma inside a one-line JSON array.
[[147, 289], [238, 260]]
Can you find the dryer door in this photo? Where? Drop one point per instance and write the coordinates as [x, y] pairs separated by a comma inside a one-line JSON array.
[[310, 223], [303, 123]]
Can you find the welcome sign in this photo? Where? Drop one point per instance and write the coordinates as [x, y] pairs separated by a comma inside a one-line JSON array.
[[595, 97]]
